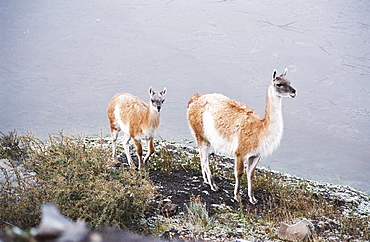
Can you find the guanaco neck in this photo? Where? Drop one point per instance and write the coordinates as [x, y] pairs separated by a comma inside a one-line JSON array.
[[273, 113], [273, 121], [151, 118]]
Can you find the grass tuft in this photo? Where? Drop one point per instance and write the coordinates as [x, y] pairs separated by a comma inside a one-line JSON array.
[[196, 216], [171, 156]]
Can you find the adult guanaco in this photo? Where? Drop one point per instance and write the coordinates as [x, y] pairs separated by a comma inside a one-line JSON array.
[[235, 129]]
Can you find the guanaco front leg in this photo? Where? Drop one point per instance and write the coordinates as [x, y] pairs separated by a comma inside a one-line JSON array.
[[126, 139], [139, 152], [151, 150], [252, 164]]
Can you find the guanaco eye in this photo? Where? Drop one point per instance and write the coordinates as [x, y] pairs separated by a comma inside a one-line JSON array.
[[279, 85], [162, 101], [152, 101]]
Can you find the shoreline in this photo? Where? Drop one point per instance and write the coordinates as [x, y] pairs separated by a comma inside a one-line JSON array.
[[191, 143], [348, 201], [175, 178], [341, 193]]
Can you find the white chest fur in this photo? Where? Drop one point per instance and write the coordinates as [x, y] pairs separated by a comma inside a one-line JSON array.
[[269, 143]]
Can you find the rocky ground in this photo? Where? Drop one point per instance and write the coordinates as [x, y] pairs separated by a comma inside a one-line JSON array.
[[177, 187], [179, 182], [180, 186]]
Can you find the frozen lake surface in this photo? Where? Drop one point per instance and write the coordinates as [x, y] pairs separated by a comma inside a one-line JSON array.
[[62, 61]]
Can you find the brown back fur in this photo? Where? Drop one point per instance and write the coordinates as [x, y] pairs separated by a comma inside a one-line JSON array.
[[231, 118]]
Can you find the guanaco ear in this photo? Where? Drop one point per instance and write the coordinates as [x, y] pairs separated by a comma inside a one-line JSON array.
[[163, 91], [150, 91], [285, 72], [274, 73]]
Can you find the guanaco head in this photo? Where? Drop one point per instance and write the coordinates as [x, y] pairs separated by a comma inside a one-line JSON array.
[[282, 86], [157, 98]]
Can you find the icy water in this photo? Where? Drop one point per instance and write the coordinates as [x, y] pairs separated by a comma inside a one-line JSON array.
[[62, 61]]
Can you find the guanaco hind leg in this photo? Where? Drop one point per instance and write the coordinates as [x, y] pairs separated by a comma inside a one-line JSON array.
[[204, 161], [114, 133], [239, 171]]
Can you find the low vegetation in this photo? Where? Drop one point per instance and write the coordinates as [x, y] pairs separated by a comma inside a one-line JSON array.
[[72, 175], [78, 175], [338, 213], [196, 216]]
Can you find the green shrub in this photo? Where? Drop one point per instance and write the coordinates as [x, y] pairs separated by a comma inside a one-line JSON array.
[[171, 156], [11, 147], [78, 179]]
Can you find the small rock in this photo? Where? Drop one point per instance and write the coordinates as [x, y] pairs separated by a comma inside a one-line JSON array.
[[55, 226], [299, 231], [165, 201], [169, 210]]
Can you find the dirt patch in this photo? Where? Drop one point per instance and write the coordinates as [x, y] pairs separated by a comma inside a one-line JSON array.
[[180, 186]]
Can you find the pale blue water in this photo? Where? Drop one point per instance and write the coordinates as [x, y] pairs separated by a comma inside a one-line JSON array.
[[62, 61]]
